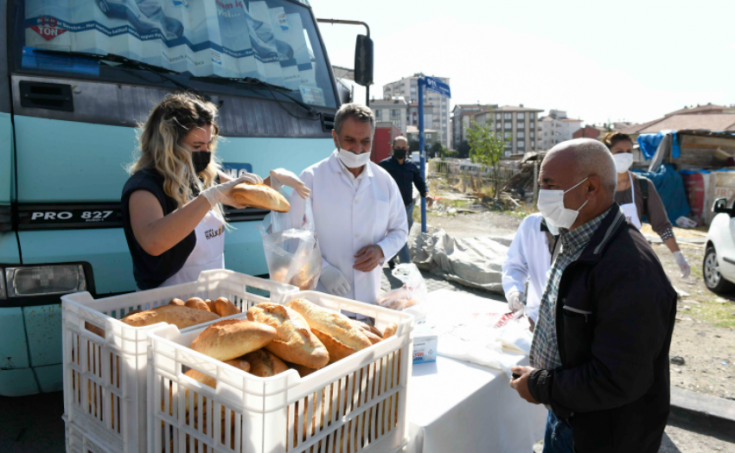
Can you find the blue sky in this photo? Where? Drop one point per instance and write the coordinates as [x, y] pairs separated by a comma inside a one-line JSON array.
[[599, 60]]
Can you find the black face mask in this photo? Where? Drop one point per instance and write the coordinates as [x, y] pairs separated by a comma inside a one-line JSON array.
[[399, 153], [200, 160]]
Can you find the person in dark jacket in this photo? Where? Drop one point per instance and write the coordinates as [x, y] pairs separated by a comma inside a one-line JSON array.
[[406, 174], [599, 355]]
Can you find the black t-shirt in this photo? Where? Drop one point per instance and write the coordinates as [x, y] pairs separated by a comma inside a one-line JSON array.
[[150, 271]]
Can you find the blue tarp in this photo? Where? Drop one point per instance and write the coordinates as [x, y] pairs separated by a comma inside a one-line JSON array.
[[670, 187], [649, 144]]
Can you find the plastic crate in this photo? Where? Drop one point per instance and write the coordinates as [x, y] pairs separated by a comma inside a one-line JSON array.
[[356, 404], [105, 378], [79, 441]]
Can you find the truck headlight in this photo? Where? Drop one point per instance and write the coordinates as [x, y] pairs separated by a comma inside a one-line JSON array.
[[45, 280]]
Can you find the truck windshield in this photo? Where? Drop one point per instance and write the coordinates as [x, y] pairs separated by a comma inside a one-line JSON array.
[[274, 41]]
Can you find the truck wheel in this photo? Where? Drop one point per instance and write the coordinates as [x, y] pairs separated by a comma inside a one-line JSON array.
[[711, 272]]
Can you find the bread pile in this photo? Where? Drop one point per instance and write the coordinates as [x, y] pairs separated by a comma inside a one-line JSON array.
[[274, 338]]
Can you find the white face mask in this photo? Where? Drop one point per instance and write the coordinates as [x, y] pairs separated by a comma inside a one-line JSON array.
[[551, 205], [352, 160], [623, 161]]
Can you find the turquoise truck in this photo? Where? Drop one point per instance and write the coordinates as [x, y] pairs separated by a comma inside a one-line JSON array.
[[76, 79]]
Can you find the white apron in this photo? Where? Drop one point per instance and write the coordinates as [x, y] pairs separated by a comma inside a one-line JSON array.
[[209, 252], [630, 210]]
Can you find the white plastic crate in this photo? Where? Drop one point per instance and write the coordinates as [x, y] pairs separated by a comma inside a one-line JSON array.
[[105, 378], [79, 441], [355, 405]]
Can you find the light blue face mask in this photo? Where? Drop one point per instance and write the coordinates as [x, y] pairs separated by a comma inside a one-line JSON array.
[[551, 205]]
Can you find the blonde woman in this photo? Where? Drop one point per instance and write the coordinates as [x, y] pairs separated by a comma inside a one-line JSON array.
[[172, 203]]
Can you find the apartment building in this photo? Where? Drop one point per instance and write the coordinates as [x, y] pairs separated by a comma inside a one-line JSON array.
[[462, 116], [436, 106], [518, 124], [393, 110], [555, 128]]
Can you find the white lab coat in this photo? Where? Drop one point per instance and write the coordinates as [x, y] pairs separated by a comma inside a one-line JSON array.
[[347, 218], [529, 260]]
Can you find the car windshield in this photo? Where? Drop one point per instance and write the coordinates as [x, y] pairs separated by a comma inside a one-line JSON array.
[[273, 41]]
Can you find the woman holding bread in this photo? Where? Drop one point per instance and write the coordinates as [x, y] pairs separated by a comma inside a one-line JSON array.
[[172, 203]]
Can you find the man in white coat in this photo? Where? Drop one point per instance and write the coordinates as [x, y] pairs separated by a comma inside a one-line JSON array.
[[358, 210], [529, 260]]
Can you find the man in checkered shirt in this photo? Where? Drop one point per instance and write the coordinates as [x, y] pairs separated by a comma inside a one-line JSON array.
[[599, 356]]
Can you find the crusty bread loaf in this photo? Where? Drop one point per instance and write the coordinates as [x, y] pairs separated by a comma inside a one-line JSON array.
[[232, 338], [133, 312], [212, 306], [176, 301], [371, 336], [295, 342], [265, 364], [337, 350], [329, 323], [367, 328], [177, 315], [260, 196], [224, 307], [197, 303], [390, 331]]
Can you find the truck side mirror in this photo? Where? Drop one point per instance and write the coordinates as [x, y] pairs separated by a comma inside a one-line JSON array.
[[364, 61], [720, 206]]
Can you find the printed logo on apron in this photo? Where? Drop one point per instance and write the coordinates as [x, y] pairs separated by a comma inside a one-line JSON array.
[[208, 254], [630, 210]]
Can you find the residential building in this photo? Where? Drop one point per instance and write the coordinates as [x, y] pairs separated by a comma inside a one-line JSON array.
[[555, 128], [436, 106], [431, 136], [462, 115], [715, 118], [590, 131], [393, 110], [518, 125]]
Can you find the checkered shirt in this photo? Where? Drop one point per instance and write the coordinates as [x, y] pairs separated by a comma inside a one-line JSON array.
[[544, 347]]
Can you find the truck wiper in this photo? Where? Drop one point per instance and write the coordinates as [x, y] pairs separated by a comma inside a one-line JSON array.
[[256, 83], [128, 63]]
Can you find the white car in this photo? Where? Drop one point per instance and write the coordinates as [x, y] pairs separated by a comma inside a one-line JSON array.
[[718, 267]]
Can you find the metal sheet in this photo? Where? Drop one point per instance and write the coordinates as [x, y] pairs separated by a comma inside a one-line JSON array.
[[43, 329]]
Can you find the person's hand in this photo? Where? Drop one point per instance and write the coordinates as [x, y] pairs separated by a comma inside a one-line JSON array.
[[281, 177], [334, 281], [515, 301], [683, 265], [368, 258], [521, 384], [221, 193]]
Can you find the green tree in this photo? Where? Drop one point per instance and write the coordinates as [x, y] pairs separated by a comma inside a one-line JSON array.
[[486, 149], [436, 149], [464, 149]]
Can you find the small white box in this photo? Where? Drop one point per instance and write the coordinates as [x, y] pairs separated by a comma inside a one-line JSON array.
[[424, 343]]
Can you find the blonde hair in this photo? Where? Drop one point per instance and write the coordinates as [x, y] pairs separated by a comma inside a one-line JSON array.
[[161, 145]]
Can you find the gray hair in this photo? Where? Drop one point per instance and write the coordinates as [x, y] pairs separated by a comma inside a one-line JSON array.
[[356, 111], [592, 157]]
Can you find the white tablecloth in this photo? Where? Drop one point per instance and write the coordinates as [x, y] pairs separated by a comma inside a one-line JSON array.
[[458, 407]]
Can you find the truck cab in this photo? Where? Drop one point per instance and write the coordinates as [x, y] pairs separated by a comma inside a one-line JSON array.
[[76, 80]]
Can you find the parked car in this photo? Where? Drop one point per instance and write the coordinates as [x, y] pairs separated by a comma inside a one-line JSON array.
[[718, 267]]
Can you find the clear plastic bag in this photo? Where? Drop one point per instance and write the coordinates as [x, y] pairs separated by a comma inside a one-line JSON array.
[[412, 293], [292, 254]]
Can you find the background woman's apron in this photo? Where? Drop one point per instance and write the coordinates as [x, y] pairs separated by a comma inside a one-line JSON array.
[[630, 210]]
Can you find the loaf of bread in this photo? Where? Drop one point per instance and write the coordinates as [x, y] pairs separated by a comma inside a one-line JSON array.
[[367, 328], [232, 338], [178, 315], [197, 303], [367, 332], [264, 364], [260, 196], [295, 343], [176, 301], [212, 306], [334, 330], [301, 369], [133, 312], [224, 307], [390, 331]]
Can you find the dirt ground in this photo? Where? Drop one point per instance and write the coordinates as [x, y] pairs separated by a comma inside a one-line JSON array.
[[704, 336]]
